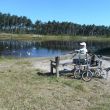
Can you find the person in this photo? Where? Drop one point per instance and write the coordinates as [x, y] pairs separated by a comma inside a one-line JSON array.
[[83, 49], [81, 54]]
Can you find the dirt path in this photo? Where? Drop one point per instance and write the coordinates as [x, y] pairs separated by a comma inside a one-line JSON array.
[[43, 65]]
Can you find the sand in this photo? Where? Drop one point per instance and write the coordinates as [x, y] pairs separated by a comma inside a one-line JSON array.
[[43, 64]]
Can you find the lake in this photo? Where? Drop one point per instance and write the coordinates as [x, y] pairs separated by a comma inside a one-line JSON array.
[[27, 49], [16, 48]]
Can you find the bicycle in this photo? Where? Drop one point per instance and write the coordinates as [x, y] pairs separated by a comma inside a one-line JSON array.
[[89, 72], [78, 72], [98, 71], [79, 68], [102, 72]]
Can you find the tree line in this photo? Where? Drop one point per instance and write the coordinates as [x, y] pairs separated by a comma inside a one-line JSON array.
[[22, 24]]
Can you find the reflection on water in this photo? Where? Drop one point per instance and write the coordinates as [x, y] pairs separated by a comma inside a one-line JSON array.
[[105, 52], [102, 48], [27, 49], [32, 52], [51, 48]]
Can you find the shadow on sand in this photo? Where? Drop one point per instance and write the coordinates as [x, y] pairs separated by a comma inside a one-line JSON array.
[[66, 73]]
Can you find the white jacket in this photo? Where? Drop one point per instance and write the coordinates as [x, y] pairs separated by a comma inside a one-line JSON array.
[[83, 50]]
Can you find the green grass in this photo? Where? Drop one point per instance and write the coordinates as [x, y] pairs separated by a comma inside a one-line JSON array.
[[33, 37], [22, 88]]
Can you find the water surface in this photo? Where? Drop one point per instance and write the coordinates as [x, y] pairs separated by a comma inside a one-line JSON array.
[[27, 49], [47, 49]]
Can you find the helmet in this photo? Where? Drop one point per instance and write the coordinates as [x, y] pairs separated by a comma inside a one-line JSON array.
[[83, 43]]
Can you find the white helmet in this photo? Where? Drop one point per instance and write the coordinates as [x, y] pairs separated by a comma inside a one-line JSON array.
[[83, 43]]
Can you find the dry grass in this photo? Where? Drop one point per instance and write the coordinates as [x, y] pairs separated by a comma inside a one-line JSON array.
[[21, 88]]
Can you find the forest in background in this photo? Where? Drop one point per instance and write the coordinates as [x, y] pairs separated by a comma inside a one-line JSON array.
[[22, 25]]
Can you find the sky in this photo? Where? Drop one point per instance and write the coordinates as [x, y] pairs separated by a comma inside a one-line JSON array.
[[77, 11]]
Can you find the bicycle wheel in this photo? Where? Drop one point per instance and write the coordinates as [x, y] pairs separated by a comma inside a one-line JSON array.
[[77, 74], [98, 72], [101, 73], [87, 76], [104, 74]]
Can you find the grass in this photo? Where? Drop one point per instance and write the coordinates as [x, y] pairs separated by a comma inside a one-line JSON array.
[[34, 37], [21, 88]]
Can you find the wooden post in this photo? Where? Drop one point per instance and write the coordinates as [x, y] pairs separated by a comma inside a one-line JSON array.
[[57, 59], [55, 65], [51, 68]]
